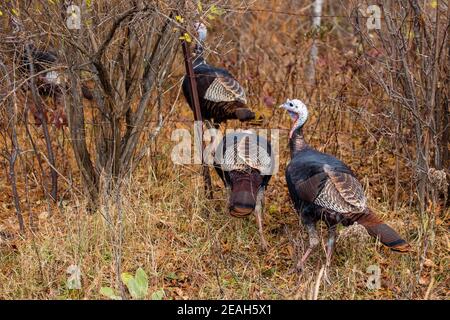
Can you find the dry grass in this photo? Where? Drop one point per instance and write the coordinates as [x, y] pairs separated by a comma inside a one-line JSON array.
[[192, 248]]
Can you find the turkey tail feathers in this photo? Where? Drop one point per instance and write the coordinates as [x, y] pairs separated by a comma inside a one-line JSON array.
[[387, 236]]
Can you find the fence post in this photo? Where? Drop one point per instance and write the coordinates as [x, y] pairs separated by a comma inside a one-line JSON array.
[[197, 114]]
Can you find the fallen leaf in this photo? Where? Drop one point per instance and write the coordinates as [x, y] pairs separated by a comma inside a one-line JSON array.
[[428, 263]]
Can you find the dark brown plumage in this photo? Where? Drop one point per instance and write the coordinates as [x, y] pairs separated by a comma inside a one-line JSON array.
[[324, 188], [221, 97], [245, 163]]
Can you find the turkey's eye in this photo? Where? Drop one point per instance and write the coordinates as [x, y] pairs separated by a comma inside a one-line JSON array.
[[290, 104]]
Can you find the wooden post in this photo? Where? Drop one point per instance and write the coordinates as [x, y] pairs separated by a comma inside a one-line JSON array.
[[197, 114]]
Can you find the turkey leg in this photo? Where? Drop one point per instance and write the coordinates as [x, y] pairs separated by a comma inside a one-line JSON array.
[[330, 247], [259, 214], [330, 244], [313, 242]]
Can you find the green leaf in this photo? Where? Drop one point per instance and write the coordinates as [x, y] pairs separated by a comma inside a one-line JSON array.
[[172, 276], [126, 277], [158, 295], [142, 281], [89, 3], [134, 289], [109, 292], [137, 285], [273, 209], [199, 6]]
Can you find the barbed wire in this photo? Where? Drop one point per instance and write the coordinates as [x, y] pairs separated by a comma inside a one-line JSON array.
[[297, 14], [310, 86], [271, 11], [306, 15]]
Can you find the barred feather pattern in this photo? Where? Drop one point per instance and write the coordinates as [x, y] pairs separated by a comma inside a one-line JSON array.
[[341, 193], [225, 89], [247, 153]]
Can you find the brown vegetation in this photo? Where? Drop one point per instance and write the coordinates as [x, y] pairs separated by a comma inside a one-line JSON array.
[[378, 100]]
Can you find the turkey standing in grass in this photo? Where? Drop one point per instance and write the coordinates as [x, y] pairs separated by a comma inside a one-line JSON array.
[[221, 97], [324, 188], [245, 163]]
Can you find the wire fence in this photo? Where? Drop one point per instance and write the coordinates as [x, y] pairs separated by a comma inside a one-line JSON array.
[[353, 14]]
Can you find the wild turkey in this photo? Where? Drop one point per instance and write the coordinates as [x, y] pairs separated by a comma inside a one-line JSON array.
[[324, 188], [245, 163], [221, 97], [46, 82], [51, 82]]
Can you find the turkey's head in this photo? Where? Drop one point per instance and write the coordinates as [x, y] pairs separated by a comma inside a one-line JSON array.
[[202, 31], [245, 163], [298, 112], [244, 187]]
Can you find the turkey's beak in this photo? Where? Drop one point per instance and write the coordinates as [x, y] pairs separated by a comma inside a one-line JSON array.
[[286, 107]]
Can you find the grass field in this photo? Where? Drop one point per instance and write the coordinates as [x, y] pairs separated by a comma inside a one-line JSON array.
[[191, 248], [160, 220]]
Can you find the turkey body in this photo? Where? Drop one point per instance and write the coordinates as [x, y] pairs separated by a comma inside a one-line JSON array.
[[245, 163], [316, 196], [323, 188], [42, 60], [221, 97]]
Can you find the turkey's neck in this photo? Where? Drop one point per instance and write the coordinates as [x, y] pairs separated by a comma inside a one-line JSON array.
[[198, 61], [198, 54], [297, 141]]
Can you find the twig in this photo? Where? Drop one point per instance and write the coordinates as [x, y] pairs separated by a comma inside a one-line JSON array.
[[317, 285]]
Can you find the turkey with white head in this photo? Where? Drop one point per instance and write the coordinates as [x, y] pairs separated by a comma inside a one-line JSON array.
[[324, 188], [245, 163], [221, 97]]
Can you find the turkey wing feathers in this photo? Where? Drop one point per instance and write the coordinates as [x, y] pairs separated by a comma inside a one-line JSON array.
[[225, 89], [342, 193]]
